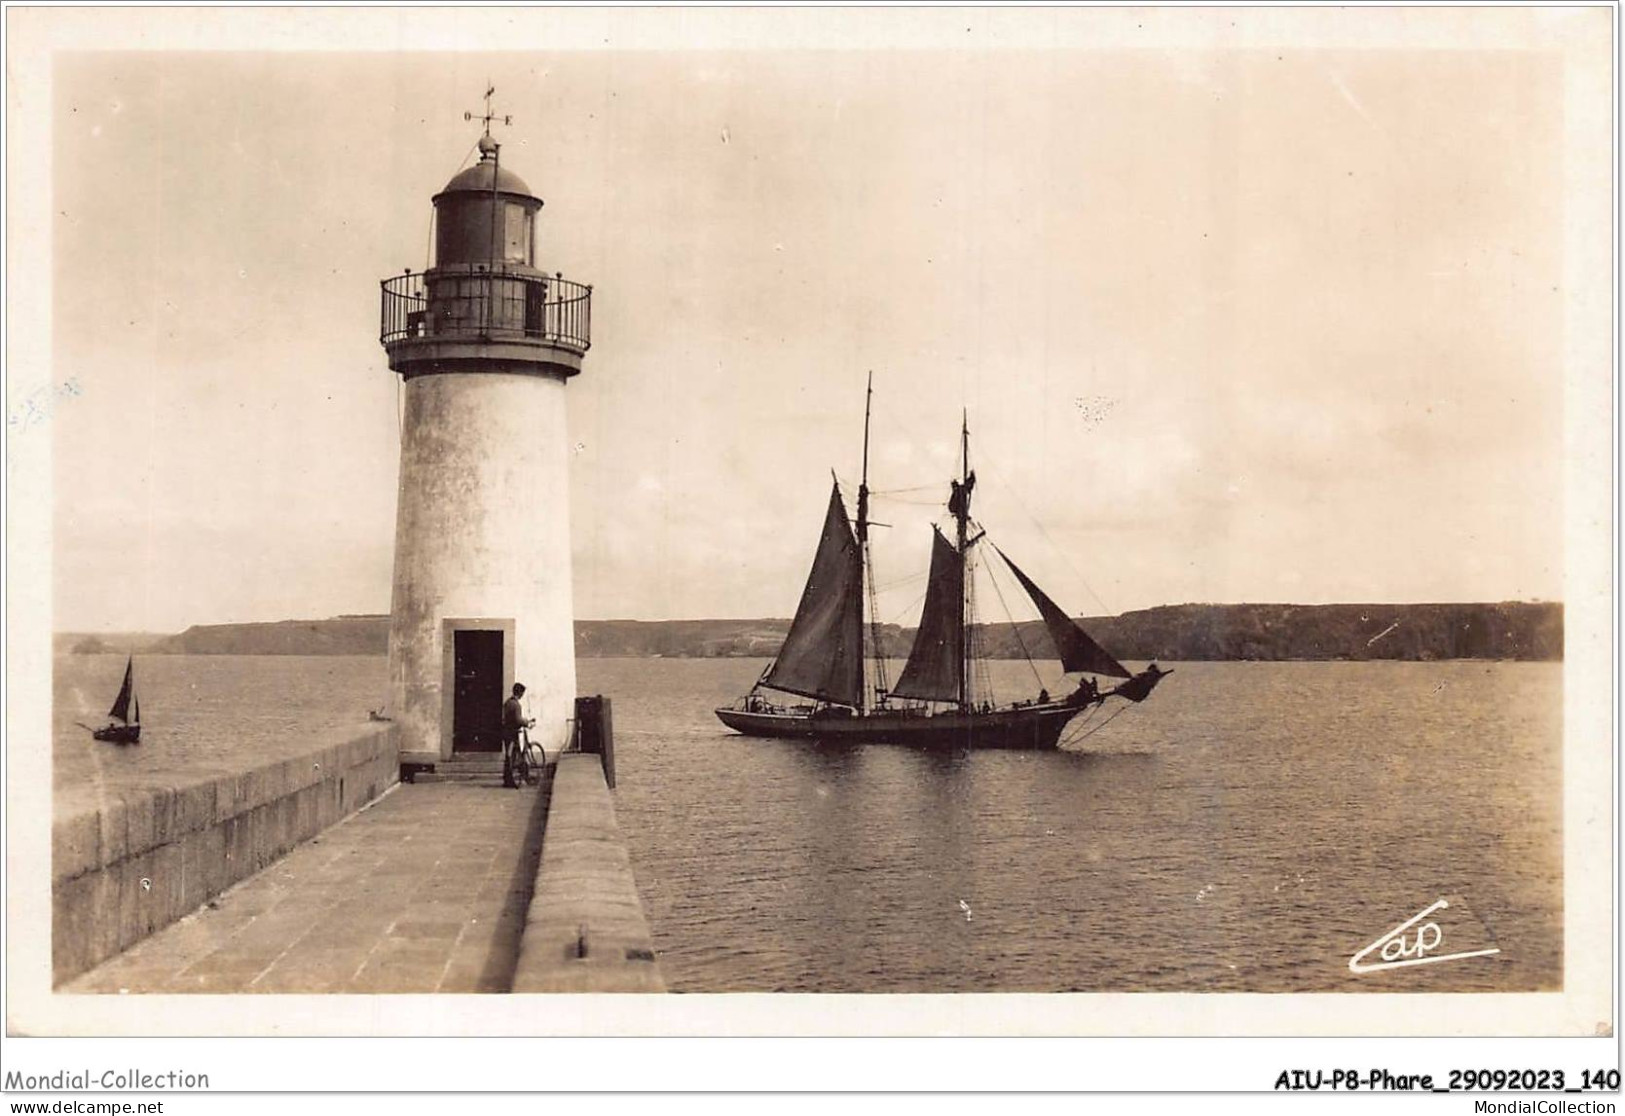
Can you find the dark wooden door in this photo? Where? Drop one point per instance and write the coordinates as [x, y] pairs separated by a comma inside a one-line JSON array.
[[476, 712]]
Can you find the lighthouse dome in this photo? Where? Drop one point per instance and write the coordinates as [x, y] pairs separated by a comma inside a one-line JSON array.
[[478, 179]]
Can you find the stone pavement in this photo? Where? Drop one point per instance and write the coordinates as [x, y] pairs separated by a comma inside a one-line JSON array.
[[424, 891]]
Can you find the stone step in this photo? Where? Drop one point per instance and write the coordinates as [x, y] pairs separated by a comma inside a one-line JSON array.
[[483, 768], [484, 778]]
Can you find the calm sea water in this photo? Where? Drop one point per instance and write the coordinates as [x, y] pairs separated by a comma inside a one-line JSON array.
[[203, 714], [1249, 828]]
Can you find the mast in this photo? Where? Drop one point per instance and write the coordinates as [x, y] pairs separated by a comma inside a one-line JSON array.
[[961, 510], [937, 668], [863, 546], [863, 485]]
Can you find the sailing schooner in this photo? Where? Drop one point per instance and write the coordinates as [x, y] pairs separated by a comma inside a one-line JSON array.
[[823, 656]]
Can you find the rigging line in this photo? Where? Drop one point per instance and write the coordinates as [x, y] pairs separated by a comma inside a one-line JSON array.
[[901, 581], [979, 683], [1103, 724], [1011, 492], [898, 417], [429, 244], [1074, 734], [906, 609], [901, 491], [464, 160], [1082, 727], [921, 502], [1014, 627], [880, 681]]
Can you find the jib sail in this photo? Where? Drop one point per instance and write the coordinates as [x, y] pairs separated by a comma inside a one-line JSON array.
[[1072, 643]]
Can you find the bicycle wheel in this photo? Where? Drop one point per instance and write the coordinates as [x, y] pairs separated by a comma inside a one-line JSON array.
[[521, 766], [534, 759]]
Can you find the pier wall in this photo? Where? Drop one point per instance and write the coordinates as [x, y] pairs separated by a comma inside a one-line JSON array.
[[585, 930], [145, 857]]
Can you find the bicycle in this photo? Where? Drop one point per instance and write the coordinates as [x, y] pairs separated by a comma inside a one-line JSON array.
[[528, 760]]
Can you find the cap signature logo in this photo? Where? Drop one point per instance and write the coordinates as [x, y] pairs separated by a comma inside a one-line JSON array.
[[1398, 949]]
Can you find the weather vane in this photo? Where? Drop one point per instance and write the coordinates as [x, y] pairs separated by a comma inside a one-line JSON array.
[[488, 116]]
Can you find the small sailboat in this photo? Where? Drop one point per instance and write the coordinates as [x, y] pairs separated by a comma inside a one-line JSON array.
[[824, 657], [124, 719]]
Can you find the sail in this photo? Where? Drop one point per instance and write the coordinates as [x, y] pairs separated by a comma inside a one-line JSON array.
[[1140, 686], [822, 657], [935, 663], [1077, 650], [126, 695]]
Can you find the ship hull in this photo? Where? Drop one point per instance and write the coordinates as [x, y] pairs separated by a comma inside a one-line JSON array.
[[1034, 728], [118, 734]]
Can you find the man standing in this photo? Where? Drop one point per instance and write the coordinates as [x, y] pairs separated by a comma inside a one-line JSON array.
[[513, 719]]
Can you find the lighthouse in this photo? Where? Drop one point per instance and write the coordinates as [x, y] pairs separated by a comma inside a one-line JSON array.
[[484, 341]]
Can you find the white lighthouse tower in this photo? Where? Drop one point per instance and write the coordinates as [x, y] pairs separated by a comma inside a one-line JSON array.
[[485, 342]]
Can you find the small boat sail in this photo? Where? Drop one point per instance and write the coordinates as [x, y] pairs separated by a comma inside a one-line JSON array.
[[824, 656], [124, 719]]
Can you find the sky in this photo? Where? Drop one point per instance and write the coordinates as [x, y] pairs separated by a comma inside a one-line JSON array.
[[1228, 324]]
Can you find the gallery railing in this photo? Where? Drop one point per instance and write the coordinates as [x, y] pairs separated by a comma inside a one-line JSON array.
[[486, 306]]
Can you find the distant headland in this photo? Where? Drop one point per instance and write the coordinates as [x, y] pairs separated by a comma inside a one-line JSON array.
[[1518, 630]]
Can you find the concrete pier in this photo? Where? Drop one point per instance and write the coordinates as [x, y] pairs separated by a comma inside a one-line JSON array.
[[133, 860], [426, 891], [585, 930], [458, 886]]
